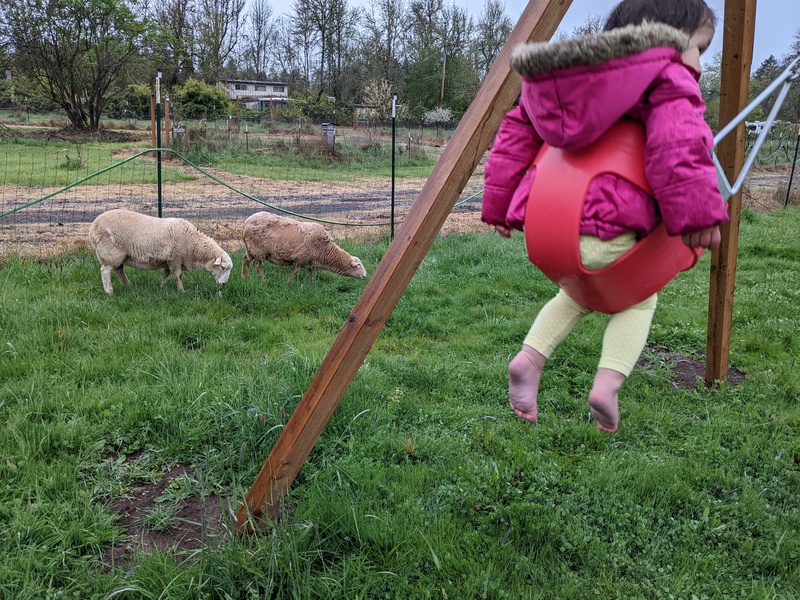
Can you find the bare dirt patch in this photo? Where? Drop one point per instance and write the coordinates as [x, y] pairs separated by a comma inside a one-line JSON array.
[[687, 373], [194, 522]]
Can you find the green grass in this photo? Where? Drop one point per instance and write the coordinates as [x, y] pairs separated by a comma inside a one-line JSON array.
[[308, 159], [424, 484], [35, 163]]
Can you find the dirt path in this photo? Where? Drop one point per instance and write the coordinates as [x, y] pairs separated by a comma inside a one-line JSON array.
[[357, 208]]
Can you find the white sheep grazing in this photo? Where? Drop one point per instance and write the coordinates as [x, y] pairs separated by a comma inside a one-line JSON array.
[[284, 241], [122, 237]]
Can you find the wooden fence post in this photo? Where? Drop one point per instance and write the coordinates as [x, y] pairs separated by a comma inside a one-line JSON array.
[[167, 124], [154, 141]]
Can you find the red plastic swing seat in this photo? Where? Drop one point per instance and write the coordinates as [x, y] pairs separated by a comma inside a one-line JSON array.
[[552, 224]]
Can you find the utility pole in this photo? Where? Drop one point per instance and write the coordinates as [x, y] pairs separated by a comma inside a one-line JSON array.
[[444, 66]]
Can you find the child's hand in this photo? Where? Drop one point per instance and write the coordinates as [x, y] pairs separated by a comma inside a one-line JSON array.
[[709, 237], [503, 230]]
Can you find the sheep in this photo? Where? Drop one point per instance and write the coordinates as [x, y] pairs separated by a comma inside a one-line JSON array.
[[122, 237], [284, 241]]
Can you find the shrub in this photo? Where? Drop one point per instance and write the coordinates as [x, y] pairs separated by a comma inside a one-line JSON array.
[[198, 100]]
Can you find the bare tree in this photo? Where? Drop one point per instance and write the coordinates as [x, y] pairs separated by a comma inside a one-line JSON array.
[[341, 45], [260, 34], [425, 31], [218, 24], [383, 39], [591, 26], [492, 31], [174, 20], [312, 20], [306, 36], [331, 27]]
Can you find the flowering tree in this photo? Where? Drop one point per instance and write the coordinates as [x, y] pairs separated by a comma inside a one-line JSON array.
[[438, 116]]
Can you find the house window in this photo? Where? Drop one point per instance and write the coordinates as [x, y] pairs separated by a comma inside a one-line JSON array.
[[240, 86], [278, 88], [261, 88]]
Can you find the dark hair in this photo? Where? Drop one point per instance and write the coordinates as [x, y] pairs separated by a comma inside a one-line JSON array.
[[686, 15]]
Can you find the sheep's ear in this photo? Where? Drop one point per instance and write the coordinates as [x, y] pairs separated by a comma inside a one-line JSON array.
[[218, 262], [354, 262]]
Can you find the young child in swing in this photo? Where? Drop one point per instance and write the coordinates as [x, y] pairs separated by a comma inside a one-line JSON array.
[[645, 65]]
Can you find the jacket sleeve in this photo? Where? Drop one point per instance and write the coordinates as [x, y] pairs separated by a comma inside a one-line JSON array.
[[678, 161], [513, 151]]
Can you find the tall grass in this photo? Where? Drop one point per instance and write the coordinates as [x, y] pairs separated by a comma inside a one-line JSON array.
[[37, 163], [424, 484]]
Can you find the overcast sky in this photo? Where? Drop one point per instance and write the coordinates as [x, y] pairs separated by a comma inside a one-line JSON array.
[[776, 20]]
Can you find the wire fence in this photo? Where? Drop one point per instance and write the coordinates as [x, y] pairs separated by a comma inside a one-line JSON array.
[[355, 181], [359, 180]]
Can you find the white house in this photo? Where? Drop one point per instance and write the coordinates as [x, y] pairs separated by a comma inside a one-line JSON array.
[[256, 94]]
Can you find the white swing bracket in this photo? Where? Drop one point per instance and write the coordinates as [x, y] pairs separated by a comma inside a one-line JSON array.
[[784, 82]]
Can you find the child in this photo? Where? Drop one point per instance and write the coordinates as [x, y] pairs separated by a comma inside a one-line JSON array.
[[645, 65]]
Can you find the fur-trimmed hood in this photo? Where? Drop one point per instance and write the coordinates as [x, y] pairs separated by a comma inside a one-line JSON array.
[[539, 57], [574, 90]]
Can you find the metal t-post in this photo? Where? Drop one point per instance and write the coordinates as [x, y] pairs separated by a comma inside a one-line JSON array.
[[394, 130], [158, 137], [791, 175]]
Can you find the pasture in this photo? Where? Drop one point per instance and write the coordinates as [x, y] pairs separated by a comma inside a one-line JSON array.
[[134, 424]]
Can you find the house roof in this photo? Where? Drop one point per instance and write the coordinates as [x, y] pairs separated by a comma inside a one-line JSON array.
[[256, 81]]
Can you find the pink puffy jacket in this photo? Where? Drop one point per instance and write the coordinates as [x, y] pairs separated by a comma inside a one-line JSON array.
[[572, 92]]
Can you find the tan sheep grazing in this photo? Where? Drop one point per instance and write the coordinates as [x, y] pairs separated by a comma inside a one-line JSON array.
[[284, 241], [122, 237]]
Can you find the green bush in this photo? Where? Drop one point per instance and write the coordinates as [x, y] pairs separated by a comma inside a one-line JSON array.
[[198, 100]]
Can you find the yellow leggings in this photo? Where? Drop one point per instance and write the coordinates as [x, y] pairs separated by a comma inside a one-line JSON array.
[[627, 330]]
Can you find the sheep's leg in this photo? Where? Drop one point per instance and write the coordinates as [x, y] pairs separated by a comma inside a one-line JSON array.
[[258, 264], [176, 269], [295, 271], [245, 263], [166, 276], [105, 276], [121, 274]]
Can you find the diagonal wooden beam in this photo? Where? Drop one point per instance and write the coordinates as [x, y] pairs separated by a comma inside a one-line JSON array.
[[737, 61], [473, 136]]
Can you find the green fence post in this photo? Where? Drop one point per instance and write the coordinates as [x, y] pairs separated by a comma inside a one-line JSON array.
[[791, 176], [158, 137], [394, 130]]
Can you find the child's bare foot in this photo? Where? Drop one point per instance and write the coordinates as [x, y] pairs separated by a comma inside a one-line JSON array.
[[524, 372], [604, 399]]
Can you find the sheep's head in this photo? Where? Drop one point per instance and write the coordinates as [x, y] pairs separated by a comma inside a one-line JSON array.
[[357, 270], [221, 268]]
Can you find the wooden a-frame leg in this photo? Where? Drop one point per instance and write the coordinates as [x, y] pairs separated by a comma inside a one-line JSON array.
[[473, 136]]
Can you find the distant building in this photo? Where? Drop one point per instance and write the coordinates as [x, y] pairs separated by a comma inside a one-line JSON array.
[[256, 94]]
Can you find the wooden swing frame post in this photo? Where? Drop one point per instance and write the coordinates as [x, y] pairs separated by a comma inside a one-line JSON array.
[[737, 60], [470, 141]]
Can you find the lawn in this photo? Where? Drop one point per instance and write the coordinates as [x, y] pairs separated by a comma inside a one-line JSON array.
[[424, 484]]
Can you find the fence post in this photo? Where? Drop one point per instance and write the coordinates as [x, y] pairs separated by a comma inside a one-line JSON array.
[[158, 136], [153, 140], [394, 131], [791, 175], [167, 123]]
